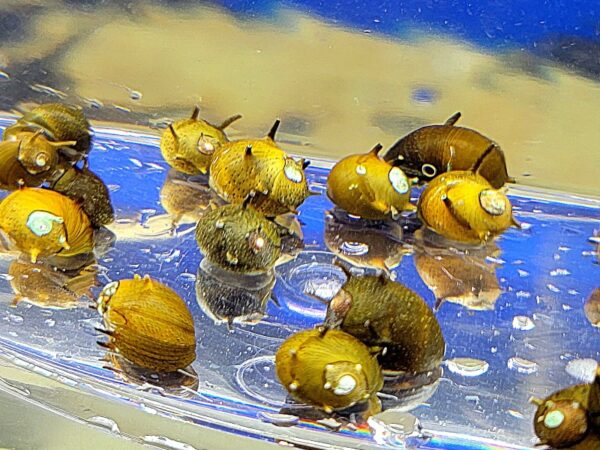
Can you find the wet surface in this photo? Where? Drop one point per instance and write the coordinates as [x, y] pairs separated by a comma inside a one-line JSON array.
[[529, 340]]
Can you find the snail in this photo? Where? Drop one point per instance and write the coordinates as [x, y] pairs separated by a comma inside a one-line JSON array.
[[239, 238], [404, 392], [592, 308], [432, 150], [379, 246], [570, 418], [89, 191], [42, 285], [329, 369], [147, 323], [188, 145], [464, 207], [462, 277], [386, 314], [259, 165], [369, 187], [61, 126], [233, 297], [14, 175], [44, 223]]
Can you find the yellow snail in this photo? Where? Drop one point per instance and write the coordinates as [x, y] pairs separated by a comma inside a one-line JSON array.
[[188, 145], [13, 174], [369, 187], [148, 323], [432, 150], [464, 207], [239, 238], [44, 223], [86, 188], [59, 125], [570, 418], [385, 314], [329, 369], [259, 165]]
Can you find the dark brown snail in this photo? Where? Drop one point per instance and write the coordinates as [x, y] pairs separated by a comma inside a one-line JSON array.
[[569, 418], [44, 223], [329, 369], [148, 323], [464, 207], [59, 125], [89, 191], [386, 314], [259, 165], [432, 150], [369, 187], [188, 145], [239, 238], [592, 308]]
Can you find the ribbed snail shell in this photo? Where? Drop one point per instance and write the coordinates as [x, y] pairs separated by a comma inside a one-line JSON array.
[[58, 123], [386, 314], [42, 223], [561, 423], [464, 207], [369, 187], [188, 145], [148, 323], [259, 165], [86, 188], [238, 238], [331, 370], [432, 150]]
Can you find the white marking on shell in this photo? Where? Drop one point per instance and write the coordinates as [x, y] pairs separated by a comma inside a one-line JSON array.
[[345, 385], [492, 201], [292, 172], [358, 367], [361, 170], [219, 224], [40, 222], [293, 386], [398, 180], [554, 419], [429, 170], [327, 386], [40, 160]]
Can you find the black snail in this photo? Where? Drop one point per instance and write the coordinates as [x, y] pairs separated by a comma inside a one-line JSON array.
[[387, 315], [188, 145], [435, 149], [239, 238], [369, 187], [329, 369], [259, 165]]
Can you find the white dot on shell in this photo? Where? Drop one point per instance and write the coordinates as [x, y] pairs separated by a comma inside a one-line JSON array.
[[361, 170]]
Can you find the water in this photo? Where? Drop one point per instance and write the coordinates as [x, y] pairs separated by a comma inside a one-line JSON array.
[[522, 343]]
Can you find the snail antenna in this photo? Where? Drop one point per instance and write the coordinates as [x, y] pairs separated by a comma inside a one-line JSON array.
[[438, 304], [275, 300], [477, 165], [342, 266], [305, 164], [229, 121], [375, 150], [195, 113], [273, 129], [453, 119], [248, 150], [36, 135], [173, 132]]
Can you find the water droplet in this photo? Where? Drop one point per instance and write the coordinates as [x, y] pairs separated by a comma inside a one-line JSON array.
[[559, 272], [552, 288], [105, 422], [515, 413], [135, 95], [48, 90], [467, 367], [583, 369], [522, 273], [281, 420], [5, 276], [136, 162], [523, 323], [50, 322], [523, 294], [522, 365]]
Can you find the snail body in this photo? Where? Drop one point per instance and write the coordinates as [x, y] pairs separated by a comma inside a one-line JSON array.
[[331, 370], [239, 238], [61, 124], [385, 314], [188, 145], [463, 206], [148, 324], [259, 165], [86, 188], [369, 187], [432, 150], [45, 223]]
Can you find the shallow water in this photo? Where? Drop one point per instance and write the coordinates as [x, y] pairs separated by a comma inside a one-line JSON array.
[[528, 342]]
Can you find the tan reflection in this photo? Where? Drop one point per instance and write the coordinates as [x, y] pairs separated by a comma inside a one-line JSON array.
[[592, 308], [458, 276]]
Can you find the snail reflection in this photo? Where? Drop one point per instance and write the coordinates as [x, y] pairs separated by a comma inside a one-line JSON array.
[[592, 308], [462, 276]]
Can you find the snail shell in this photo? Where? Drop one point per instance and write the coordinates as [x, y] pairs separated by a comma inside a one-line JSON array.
[[432, 150], [45, 223], [148, 323], [238, 238], [86, 188], [60, 123], [369, 187], [188, 145], [385, 314], [561, 423], [259, 165], [464, 207], [12, 173], [328, 369]]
